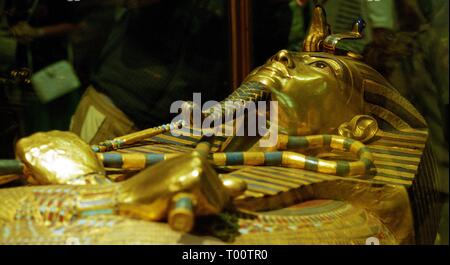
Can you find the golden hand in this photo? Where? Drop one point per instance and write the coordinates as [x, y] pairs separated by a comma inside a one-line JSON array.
[[177, 190]]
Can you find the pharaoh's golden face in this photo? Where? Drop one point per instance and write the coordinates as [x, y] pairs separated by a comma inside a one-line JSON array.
[[314, 91]]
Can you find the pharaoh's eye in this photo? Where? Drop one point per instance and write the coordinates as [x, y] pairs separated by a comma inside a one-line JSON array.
[[320, 64]]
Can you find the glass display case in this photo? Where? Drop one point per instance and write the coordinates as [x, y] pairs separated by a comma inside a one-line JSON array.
[[225, 122]]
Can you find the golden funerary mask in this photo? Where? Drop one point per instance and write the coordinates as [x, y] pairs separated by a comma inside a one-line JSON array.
[[316, 92], [321, 88]]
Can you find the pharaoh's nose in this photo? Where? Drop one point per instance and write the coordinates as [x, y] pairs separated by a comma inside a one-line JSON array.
[[285, 58]]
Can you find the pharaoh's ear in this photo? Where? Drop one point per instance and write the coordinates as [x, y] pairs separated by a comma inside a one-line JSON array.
[[362, 128]]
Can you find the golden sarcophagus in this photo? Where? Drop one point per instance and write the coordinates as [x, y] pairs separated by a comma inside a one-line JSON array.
[[345, 160]]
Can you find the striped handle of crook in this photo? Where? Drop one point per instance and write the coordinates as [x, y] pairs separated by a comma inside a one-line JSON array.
[[296, 160], [280, 158]]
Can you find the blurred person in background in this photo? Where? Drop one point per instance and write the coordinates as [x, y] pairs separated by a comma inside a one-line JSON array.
[[41, 28], [272, 20], [8, 44], [8, 125], [380, 17], [98, 18], [158, 52], [415, 60], [35, 34]]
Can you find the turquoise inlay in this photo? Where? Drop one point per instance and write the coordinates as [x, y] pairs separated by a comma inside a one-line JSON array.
[[326, 140], [348, 143], [184, 203], [400, 169], [112, 160], [285, 178], [395, 177], [297, 142], [304, 176], [363, 150], [394, 153], [342, 168], [392, 182], [273, 158], [304, 173], [11, 167], [241, 93], [234, 158], [107, 144], [95, 148], [398, 161], [321, 208], [96, 212], [403, 140], [119, 143], [97, 202], [311, 163], [367, 163], [151, 159], [419, 134]]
